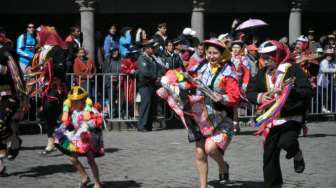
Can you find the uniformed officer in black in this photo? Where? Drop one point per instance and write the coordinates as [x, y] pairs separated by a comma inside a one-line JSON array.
[[147, 75]]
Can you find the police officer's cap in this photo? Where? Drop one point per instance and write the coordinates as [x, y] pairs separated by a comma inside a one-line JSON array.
[[177, 40], [150, 44]]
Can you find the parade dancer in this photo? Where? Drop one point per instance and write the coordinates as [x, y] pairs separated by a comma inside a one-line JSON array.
[[209, 108], [242, 67], [309, 64], [47, 77], [13, 96], [80, 133], [280, 90]]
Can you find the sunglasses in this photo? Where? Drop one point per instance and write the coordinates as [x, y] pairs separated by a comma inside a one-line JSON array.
[[29, 27]]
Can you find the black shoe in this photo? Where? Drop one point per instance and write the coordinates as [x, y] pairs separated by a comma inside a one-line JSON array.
[[299, 165], [224, 177], [142, 130], [13, 153]]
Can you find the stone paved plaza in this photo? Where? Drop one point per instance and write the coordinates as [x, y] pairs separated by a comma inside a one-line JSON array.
[[165, 159]]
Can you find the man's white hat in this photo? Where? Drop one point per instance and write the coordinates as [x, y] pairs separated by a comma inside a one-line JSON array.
[[189, 31], [302, 38], [223, 36], [319, 50]]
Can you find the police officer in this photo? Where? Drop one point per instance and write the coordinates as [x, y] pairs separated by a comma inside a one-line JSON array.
[[147, 75]]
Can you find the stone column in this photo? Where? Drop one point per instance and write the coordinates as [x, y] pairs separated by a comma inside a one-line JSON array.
[[295, 21], [197, 17], [86, 9]]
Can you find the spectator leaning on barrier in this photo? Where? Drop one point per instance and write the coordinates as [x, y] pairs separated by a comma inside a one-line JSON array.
[[25, 47], [125, 41], [325, 79], [111, 41], [129, 67], [112, 64], [84, 69], [73, 42]]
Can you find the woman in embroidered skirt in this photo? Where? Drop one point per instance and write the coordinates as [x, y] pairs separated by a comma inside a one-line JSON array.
[[80, 134], [207, 108]]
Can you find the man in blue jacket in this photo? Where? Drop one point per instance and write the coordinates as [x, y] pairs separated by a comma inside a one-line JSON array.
[[111, 42], [125, 41], [25, 47]]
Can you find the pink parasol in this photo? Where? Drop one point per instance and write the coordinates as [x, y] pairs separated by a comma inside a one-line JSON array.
[[251, 23]]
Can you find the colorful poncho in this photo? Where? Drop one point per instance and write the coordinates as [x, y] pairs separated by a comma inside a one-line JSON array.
[[193, 107], [272, 109], [81, 133]]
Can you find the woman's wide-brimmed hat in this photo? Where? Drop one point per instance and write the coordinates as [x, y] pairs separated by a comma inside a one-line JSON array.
[[215, 43], [77, 93]]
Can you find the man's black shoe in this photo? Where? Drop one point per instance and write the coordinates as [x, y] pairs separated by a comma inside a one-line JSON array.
[[13, 153], [142, 130], [299, 165]]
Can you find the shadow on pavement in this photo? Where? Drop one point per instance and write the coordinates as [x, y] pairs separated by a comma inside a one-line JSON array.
[[111, 150], [246, 133], [121, 184], [237, 184], [319, 135], [32, 147], [39, 171]]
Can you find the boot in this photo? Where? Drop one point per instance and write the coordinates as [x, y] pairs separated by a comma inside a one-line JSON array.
[[50, 147]]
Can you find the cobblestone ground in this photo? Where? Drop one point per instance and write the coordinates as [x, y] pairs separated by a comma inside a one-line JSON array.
[[165, 159]]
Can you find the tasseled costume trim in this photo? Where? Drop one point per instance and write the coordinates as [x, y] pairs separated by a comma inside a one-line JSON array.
[[265, 121]]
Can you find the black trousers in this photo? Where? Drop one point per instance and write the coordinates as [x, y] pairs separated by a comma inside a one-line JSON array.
[[51, 112], [147, 107], [8, 106], [283, 137]]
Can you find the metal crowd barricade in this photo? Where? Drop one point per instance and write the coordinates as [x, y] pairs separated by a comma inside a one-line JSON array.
[[33, 119], [109, 90], [323, 102]]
